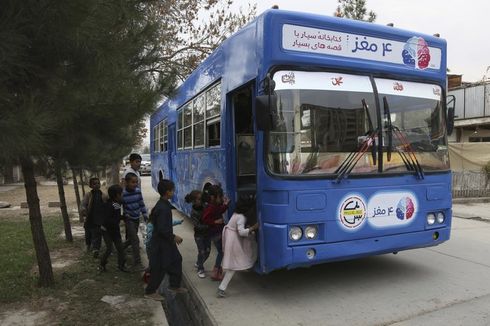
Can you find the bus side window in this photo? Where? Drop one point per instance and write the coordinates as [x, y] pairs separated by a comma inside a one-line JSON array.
[[213, 133]]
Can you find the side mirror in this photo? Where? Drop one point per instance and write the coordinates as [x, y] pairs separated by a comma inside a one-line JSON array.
[[451, 104], [266, 112]]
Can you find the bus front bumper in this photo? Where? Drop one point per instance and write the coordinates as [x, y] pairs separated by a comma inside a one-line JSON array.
[[346, 250]]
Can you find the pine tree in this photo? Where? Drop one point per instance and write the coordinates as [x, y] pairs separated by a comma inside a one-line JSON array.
[[77, 78], [355, 9]]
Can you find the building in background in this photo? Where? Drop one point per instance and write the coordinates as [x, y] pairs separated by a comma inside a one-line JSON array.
[[472, 122], [469, 145]]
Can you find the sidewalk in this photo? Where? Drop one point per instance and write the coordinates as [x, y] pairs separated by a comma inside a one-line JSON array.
[[472, 210]]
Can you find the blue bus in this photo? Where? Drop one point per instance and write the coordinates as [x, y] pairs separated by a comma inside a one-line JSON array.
[[337, 127]]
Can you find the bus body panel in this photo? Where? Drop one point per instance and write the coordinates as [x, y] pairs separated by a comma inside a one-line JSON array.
[[248, 56]]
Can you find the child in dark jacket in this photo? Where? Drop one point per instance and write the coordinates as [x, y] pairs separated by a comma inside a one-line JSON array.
[[92, 208], [213, 217], [200, 231], [165, 258], [110, 228]]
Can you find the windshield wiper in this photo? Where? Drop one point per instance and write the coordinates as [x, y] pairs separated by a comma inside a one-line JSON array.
[[411, 162], [389, 127], [371, 127], [351, 160]]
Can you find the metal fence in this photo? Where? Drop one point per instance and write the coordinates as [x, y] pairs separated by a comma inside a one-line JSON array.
[[470, 184]]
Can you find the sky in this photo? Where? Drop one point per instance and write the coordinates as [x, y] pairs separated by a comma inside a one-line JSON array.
[[464, 24]]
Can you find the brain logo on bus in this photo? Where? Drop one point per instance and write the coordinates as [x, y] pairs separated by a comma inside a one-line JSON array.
[[405, 209], [416, 53]]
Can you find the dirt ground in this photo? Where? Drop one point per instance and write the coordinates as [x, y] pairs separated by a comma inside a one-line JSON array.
[[45, 193]]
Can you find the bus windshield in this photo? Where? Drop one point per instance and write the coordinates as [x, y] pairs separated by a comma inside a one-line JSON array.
[[417, 119], [323, 117]]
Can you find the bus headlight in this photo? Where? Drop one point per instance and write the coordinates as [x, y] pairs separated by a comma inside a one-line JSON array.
[[311, 232], [431, 218], [440, 217], [295, 233]]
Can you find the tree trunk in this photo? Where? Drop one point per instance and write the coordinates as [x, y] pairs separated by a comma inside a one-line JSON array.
[[115, 174], [46, 278], [83, 182], [77, 194], [61, 191]]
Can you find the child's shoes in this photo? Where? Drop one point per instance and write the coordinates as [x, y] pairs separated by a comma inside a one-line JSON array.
[[217, 274], [221, 294]]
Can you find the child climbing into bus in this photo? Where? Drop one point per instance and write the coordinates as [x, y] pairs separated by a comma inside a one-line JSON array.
[[110, 229], [217, 204], [239, 245], [201, 237], [149, 233], [147, 241]]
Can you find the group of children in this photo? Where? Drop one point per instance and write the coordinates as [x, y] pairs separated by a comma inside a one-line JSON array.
[[234, 242], [103, 214]]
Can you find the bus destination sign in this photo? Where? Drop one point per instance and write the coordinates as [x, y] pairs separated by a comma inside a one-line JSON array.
[[415, 52]]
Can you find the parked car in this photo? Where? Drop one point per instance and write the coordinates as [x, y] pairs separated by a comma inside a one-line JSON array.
[[145, 168]]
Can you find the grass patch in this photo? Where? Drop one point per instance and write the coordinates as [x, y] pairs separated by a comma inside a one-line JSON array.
[[17, 256], [76, 297]]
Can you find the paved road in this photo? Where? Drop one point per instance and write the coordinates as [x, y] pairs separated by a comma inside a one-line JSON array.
[[444, 285]]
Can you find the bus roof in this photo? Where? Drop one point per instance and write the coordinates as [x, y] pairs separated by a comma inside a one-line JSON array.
[[279, 38]]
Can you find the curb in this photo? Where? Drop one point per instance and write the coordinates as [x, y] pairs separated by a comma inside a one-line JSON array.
[[471, 200], [195, 305]]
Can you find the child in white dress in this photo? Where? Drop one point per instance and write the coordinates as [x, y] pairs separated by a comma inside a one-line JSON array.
[[239, 245]]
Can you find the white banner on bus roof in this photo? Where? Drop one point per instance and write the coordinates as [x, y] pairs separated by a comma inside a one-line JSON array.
[[287, 79], [410, 89], [413, 53]]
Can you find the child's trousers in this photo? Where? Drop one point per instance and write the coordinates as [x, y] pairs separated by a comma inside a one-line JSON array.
[[96, 237], [109, 239], [132, 227], [203, 250], [226, 279], [157, 273]]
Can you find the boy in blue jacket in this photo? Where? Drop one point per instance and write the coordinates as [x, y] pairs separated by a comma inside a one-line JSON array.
[[134, 207]]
